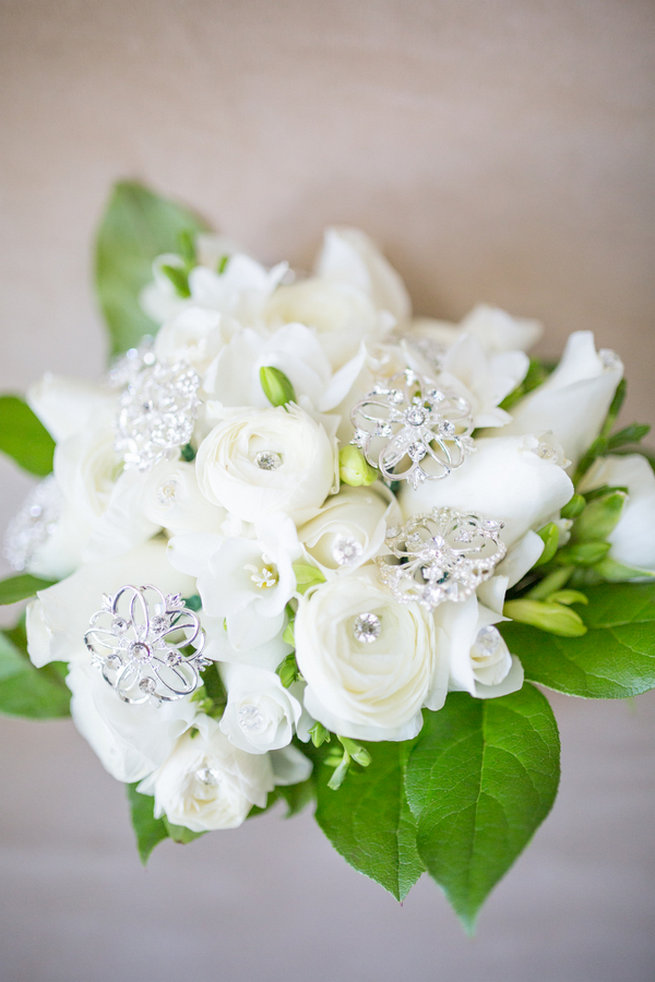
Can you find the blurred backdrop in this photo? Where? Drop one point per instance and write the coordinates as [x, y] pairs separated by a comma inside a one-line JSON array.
[[498, 152]]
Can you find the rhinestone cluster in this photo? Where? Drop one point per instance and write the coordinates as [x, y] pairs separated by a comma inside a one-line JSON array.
[[411, 429], [441, 556], [33, 525], [125, 368], [147, 645], [157, 414]]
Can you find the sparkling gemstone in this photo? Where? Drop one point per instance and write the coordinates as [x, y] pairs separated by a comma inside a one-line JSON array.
[[609, 359], [167, 493], [208, 776], [416, 451], [367, 628], [488, 640], [268, 460], [33, 525], [416, 416], [250, 719], [346, 550], [159, 623], [447, 429], [140, 651], [121, 625], [147, 686], [383, 429]]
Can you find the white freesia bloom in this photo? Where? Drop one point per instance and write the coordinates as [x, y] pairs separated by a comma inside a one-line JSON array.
[[486, 377], [247, 582], [65, 406], [498, 331], [505, 479], [574, 400], [370, 663], [195, 336], [350, 528], [259, 463], [260, 715], [349, 256], [208, 783], [633, 538], [130, 740]]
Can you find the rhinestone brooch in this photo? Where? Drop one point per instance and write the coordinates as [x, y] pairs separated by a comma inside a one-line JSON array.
[[412, 430], [157, 414], [444, 555], [33, 525], [147, 645]]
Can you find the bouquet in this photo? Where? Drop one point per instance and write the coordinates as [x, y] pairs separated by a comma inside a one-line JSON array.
[[298, 545]]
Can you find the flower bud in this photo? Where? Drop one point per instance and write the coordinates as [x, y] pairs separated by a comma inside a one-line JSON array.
[[277, 387], [353, 467], [551, 617]]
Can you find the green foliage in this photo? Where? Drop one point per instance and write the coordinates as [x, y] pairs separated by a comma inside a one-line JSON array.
[[482, 777], [615, 658], [369, 821], [137, 226], [276, 386], [288, 671], [20, 587], [24, 438], [36, 693], [149, 831], [537, 373], [307, 576], [546, 615], [550, 536]]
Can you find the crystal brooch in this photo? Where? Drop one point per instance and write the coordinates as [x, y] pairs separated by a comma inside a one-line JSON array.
[[147, 645], [444, 555], [412, 430]]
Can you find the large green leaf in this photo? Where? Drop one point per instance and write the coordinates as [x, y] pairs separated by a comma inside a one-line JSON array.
[[16, 588], [137, 226], [482, 776], [38, 693], [368, 819], [614, 659], [24, 438], [149, 830]]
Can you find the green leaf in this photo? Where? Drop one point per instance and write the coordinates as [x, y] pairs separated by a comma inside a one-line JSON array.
[[179, 278], [149, 831], [297, 796], [180, 833], [616, 657], [599, 518], [629, 434], [287, 670], [137, 226], [573, 507], [369, 822], [550, 537], [16, 588], [482, 777], [307, 576], [277, 387], [24, 438], [36, 693]]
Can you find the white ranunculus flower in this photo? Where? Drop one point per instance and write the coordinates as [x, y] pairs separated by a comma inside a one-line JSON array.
[[573, 402], [260, 715], [349, 256], [350, 527], [370, 662], [59, 618], [341, 315], [632, 539], [505, 479], [208, 783], [130, 740], [478, 658], [172, 500], [258, 463]]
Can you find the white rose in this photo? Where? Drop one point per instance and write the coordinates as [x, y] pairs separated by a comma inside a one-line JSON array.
[[341, 315], [370, 663], [262, 462], [350, 527], [632, 539], [207, 783], [574, 400], [130, 740], [260, 715], [349, 256], [507, 479]]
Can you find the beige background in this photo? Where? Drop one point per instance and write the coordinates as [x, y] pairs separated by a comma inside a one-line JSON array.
[[499, 151]]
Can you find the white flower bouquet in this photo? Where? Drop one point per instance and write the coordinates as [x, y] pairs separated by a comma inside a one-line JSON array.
[[300, 545]]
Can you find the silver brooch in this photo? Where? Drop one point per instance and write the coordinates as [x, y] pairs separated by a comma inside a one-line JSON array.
[[441, 556], [32, 526], [412, 430], [147, 645], [157, 414]]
